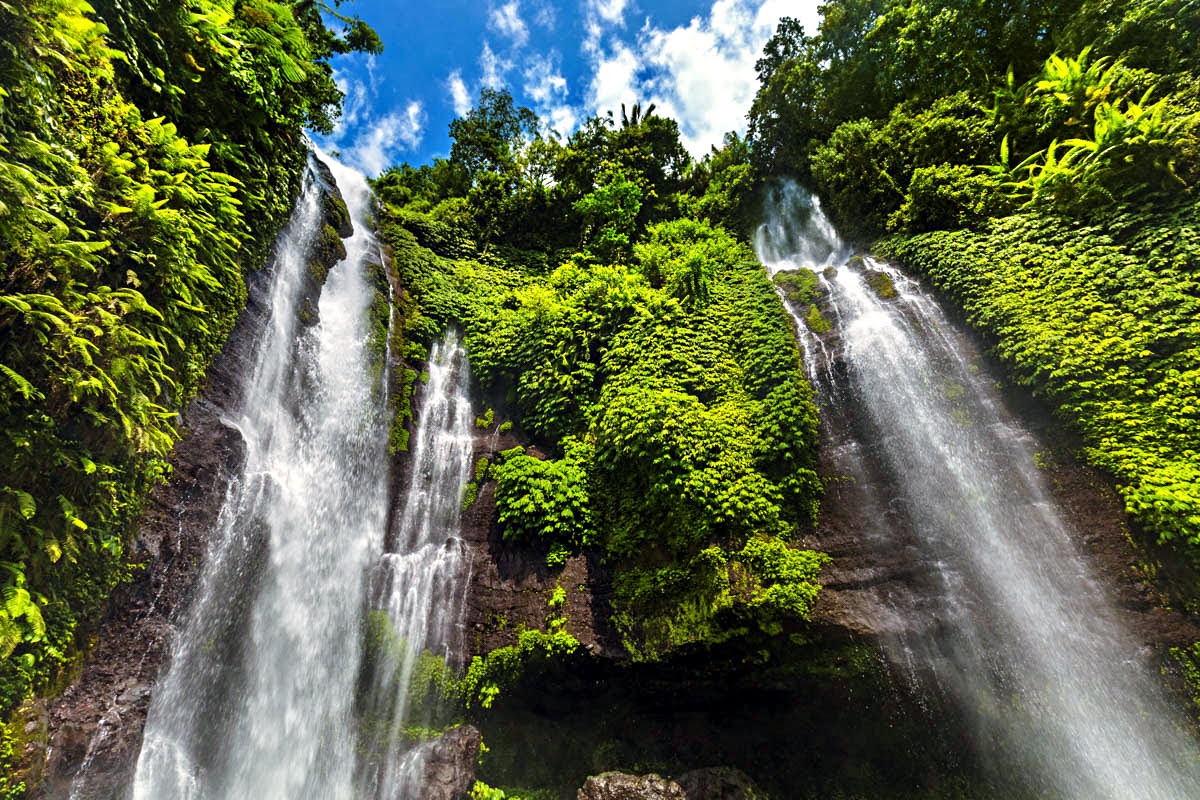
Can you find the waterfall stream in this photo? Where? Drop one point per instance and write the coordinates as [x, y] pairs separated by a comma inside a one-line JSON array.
[[260, 699], [1021, 637], [420, 584]]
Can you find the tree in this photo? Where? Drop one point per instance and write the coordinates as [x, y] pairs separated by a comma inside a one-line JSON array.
[[490, 136]]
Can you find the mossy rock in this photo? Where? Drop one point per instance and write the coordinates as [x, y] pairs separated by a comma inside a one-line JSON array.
[[881, 284], [830, 272], [308, 313], [816, 322], [799, 286], [856, 261], [328, 250], [337, 216]]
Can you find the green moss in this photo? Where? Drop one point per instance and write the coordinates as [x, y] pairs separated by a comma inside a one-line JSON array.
[[1187, 659], [815, 321], [504, 428], [881, 284], [485, 421], [337, 216], [328, 250], [401, 410], [799, 286]]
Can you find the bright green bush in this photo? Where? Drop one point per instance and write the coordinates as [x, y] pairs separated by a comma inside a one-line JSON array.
[[672, 389], [545, 501], [948, 196]]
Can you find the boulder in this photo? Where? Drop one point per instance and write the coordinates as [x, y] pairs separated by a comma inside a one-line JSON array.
[[622, 786], [450, 764]]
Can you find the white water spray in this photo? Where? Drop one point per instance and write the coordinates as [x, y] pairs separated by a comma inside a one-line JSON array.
[[257, 699]]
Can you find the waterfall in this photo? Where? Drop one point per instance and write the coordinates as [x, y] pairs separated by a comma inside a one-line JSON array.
[[1020, 636], [262, 696], [257, 699], [420, 585]]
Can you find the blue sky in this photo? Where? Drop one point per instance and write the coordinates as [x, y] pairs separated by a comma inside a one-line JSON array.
[[565, 59]]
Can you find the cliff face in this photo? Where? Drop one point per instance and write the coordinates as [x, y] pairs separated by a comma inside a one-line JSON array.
[[93, 729]]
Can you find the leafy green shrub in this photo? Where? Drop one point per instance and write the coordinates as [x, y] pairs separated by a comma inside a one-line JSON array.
[[545, 501], [948, 196], [865, 168], [679, 405]]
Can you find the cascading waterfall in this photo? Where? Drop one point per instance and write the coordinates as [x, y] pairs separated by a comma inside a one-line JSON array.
[[421, 585], [261, 699], [257, 700], [1023, 638]]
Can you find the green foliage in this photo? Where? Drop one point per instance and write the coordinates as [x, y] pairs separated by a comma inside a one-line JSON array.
[[948, 196], [723, 186], [920, 116], [610, 214], [865, 168], [504, 667], [799, 285], [545, 501], [671, 391]]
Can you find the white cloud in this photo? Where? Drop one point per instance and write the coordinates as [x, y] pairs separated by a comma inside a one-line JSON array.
[[545, 16], [460, 96], [598, 16], [562, 119], [615, 80], [547, 88], [611, 11], [702, 74], [543, 81], [377, 147], [506, 20], [494, 67]]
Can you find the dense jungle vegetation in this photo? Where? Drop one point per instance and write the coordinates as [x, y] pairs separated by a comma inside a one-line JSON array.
[[149, 150], [1038, 162], [639, 344]]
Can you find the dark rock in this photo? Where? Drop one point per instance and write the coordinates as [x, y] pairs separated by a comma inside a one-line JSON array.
[[719, 783], [327, 250], [450, 764], [622, 786], [336, 214]]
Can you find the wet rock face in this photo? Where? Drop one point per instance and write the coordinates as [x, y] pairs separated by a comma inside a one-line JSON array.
[[450, 764], [622, 786], [327, 249], [336, 214]]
